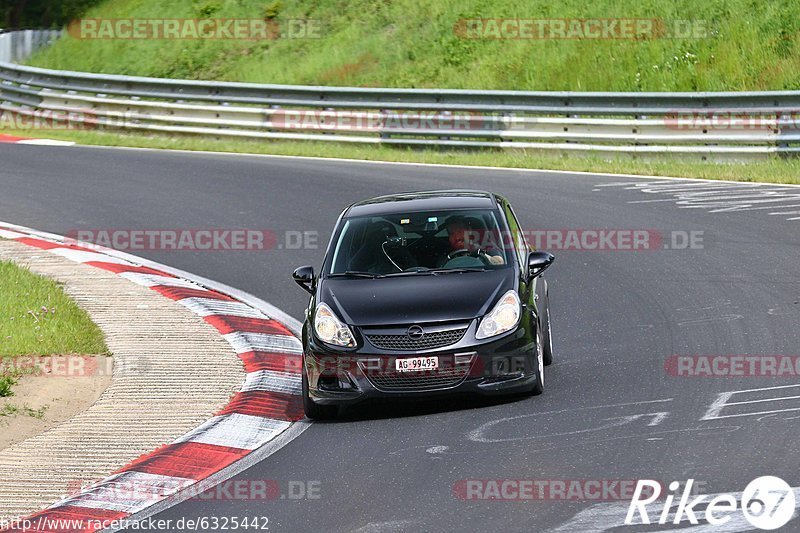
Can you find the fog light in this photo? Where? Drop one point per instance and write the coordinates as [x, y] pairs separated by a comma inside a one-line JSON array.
[[334, 383]]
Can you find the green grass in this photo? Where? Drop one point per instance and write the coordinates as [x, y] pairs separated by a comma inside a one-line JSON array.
[[38, 318], [751, 45], [769, 170], [14, 410]]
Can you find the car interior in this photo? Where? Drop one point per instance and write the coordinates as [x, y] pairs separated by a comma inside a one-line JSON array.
[[408, 242]]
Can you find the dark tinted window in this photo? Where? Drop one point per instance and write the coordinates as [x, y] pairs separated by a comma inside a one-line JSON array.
[[420, 241]]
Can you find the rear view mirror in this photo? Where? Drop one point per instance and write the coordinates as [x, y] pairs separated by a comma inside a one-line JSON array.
[[538, 263], [304, 276]]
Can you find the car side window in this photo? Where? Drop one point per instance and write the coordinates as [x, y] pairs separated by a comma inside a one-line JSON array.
[[517, 235]]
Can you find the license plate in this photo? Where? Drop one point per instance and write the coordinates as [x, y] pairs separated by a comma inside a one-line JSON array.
[[416, 364]]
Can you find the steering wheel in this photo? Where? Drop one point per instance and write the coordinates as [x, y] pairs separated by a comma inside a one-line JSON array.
[[459, 253]]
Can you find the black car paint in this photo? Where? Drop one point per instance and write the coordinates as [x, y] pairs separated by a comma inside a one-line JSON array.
[[415, 297], [429, 299]]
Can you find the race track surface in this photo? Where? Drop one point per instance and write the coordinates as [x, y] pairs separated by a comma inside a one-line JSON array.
[[610, 411]]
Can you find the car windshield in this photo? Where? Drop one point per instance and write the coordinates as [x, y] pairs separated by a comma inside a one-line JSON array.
[[430, 242]]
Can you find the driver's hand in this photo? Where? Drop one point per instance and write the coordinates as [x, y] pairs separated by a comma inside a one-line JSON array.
[[496, 260]]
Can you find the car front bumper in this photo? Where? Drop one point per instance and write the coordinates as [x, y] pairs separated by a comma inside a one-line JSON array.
[[504, 365]]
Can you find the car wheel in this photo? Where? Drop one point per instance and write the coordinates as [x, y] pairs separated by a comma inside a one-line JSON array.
[[548, 334], [313, 410], [538, 386]]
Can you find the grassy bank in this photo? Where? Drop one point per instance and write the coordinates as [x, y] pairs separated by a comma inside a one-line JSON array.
[[734, 45], [770, 170], [38, 318]]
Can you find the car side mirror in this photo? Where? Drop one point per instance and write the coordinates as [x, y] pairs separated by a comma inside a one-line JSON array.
[[538, 263], [304, 276]]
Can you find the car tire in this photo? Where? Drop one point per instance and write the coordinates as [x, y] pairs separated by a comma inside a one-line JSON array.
[[538, 386], [548, 332], [315, 411]]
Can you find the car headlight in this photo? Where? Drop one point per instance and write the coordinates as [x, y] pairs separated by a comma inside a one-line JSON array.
[[503, 317], [330, 329]]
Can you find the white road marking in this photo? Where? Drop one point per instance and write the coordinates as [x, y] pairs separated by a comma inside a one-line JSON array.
[[717, 197], [722, 401], [46, 142], [722, 318], [391, 525], [656, 418], [437, 449], [651, 201], [563, 444], [772, 207], [787, 212], [479, 434]]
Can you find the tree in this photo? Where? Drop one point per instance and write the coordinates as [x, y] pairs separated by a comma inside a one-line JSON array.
[[17, 14]]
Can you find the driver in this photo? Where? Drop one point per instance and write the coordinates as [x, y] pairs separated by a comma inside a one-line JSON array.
[[458, 233]]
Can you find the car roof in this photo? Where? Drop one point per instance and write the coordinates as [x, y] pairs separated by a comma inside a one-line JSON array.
[[423, 201]]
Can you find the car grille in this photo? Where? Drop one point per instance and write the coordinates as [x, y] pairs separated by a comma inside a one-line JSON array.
[[434, 339], [418, 381]]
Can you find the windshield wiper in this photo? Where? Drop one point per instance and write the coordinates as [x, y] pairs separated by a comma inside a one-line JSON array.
[[354, 274], [410, 272], [457, 270]]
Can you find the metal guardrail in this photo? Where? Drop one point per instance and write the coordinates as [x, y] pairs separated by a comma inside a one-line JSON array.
[[733, 124], [18, 45]]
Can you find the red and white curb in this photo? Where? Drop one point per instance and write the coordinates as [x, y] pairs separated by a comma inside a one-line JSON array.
[[258, 420], [11, 139]]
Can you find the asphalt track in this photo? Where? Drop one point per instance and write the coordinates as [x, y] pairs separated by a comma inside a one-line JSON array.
[[610, 411]]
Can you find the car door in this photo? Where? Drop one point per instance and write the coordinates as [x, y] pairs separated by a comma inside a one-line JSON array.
[[528, 291]]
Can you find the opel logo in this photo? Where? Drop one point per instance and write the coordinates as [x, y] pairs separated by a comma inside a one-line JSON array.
[[415, 333]]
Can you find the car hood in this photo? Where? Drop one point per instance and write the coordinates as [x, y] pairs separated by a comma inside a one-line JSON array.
[[416, 298]]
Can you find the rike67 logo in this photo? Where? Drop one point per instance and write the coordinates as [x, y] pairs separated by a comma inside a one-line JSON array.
[[767, 503]]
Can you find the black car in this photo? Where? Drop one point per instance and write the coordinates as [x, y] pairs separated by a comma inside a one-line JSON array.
[[422, 294]]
